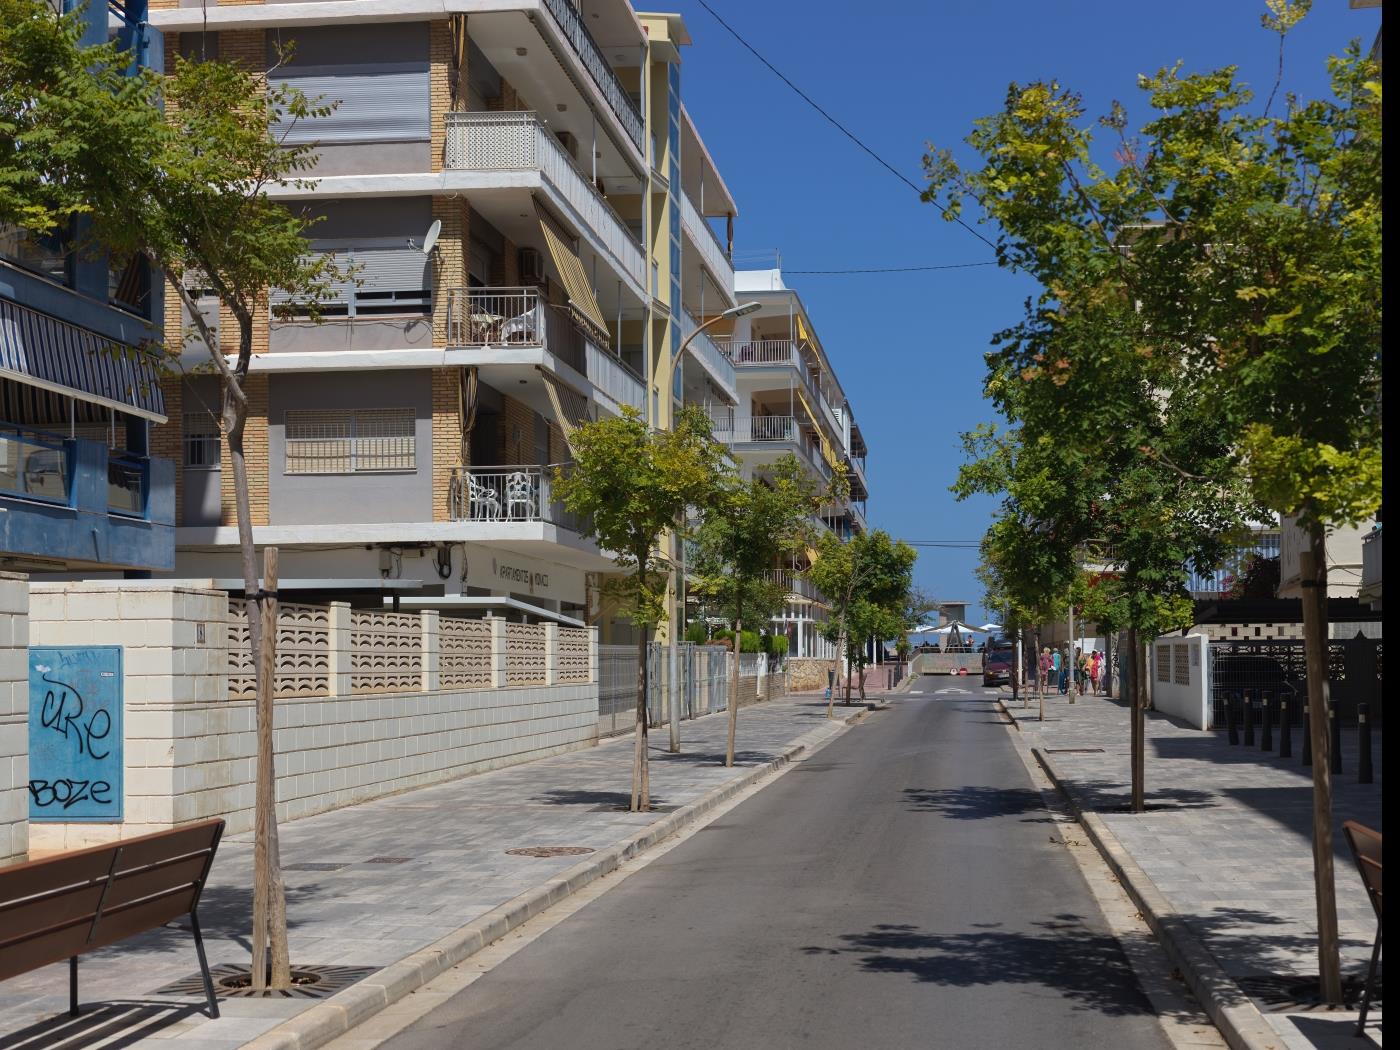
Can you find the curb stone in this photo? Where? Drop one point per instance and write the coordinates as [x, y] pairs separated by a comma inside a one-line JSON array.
[[343, 1011], [1237, 1018]]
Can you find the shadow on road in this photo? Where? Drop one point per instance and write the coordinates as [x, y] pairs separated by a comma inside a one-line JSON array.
[[973, 802]]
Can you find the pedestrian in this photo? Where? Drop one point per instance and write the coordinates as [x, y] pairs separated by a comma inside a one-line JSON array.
[[1045, 663], [1096, 671], [1059, 665], [1078, 681]]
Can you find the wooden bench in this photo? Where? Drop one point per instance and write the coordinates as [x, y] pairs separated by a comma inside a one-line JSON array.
[[59, 907], [1366, 848]]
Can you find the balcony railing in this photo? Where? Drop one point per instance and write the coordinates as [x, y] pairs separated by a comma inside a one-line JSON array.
[[794, 582], [710, 356], [759, 353], [570, 23], [519, 141], [703, 235], [498, 494], [615, 379], [506, 317]]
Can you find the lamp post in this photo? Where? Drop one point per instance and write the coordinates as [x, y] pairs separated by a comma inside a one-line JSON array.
[[673, 689]]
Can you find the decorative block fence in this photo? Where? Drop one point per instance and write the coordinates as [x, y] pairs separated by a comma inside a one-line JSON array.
[[368, 703]]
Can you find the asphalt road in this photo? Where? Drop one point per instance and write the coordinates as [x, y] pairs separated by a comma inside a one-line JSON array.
[[899, 889]]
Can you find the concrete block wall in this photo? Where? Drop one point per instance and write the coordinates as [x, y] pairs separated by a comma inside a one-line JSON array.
[[190, 751], [1179, 677], [14, 717]]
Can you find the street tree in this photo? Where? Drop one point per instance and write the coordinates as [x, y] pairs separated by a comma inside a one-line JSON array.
[[752, 529], [175, 171], [1247, 243], [869, 581], [630, 484]]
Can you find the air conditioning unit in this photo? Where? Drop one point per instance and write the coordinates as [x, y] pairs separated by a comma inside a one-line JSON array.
[[569, 142], [531, 264]]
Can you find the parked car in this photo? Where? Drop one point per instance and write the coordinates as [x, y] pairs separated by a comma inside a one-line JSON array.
[[997, 664]]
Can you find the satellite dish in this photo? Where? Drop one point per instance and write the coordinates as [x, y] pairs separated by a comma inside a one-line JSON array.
[[430, 238]]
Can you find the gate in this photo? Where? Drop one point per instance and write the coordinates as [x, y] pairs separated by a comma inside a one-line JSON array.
[[1259, 673]]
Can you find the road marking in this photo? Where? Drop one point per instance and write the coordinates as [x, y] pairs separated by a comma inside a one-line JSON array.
[[957, 692]]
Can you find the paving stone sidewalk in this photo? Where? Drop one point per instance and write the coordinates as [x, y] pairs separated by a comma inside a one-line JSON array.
[[1227, 836], [372, 883]]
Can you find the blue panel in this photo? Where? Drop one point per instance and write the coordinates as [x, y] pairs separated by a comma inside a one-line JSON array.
[[76, 755]]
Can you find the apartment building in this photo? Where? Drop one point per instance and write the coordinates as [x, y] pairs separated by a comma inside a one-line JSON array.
[[80, 490], [523, 198], [791, 402]]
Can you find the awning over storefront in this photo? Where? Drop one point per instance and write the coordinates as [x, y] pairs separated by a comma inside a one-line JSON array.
[[42, 352], [576, 285]]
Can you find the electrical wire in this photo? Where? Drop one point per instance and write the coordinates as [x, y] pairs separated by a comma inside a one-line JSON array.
[[887, 269], [838, 125]]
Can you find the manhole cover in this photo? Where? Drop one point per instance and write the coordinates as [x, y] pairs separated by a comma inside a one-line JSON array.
[[549, 851], [1285, 993], [308, 982]]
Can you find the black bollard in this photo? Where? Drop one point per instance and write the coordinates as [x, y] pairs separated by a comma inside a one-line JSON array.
[[1266, 731], [1285, 729], [1335, 724], [1231, 731], [1248, 720], [1363, 743], [1307, 738]]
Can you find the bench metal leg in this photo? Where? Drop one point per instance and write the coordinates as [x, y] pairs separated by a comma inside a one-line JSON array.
[[72, 986], [204, 967], [1370, 983]]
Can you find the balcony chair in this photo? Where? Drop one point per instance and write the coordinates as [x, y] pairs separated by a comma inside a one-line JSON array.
[[484, 503], [526, 328], [520, 492]]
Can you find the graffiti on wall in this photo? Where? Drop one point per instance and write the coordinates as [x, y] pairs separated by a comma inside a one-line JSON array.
[[75, 733]]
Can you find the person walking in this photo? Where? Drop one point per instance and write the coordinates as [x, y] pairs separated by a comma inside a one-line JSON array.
[[1045, 664], [1096, 672], [1083, 665], [1060, 666]]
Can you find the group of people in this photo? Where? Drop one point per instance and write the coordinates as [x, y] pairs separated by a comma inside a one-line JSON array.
[[1089, 672]]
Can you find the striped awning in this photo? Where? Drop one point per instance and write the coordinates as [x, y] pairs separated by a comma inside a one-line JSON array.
[[576, 285], [41, 351]]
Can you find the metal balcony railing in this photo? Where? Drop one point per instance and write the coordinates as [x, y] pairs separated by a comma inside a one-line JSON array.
[[708, 353], [570, 22], [520, 141], [759, 353], [505, 317], [703, 235], [497, 494], [610, 375]]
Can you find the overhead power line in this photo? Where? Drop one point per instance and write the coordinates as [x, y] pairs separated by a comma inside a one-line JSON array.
[[887, 269], [838, 125]]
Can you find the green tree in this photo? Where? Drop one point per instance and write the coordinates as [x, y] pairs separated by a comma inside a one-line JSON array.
[[631, 484], [747, 533], [1237, 254], [174, 170]]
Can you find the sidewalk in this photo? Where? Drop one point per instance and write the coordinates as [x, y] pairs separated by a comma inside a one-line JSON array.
[[1226, 841], [371, 884]]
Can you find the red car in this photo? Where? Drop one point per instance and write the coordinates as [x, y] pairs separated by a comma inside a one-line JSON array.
[[997, 664]]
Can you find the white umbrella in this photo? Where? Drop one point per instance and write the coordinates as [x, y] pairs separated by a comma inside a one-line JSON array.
[[990, 627]]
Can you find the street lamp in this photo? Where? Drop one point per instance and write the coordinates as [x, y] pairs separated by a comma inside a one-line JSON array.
[[742, 310]]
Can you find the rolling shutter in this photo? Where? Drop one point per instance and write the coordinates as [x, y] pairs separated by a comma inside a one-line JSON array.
[[385, 104]]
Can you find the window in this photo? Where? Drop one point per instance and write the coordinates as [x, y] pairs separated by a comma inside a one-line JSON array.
[[45, 254], [350, 441], [201, 441]]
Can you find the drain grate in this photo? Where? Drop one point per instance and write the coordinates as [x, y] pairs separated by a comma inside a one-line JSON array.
[[308, 982], [316, 865], [549, 851], [1287, 993]]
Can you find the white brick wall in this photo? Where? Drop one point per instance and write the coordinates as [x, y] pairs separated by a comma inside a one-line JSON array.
[[190, 750], [14, 717]]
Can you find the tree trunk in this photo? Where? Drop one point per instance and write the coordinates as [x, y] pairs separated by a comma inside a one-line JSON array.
[[1107, 677], [271, 964], [847, 701], [835, 674], [861, 680], [641, 787], [1139, 724], [1314, 582], [734, 692]]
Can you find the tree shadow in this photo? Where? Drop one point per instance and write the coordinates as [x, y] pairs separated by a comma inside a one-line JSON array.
[[111, 1024], [1260, 943], [592, 799], [1059, 954], [1111, 796], [973, 802], [702, 758]]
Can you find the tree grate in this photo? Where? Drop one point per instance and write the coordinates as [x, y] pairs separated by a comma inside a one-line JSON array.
[[549, 851], [1288, 993], [234, 981]]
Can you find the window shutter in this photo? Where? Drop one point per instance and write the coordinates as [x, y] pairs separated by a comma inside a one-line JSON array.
[[374, 106]]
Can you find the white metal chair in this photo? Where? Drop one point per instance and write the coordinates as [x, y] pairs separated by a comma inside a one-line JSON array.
[[520, 493], [484, 503]]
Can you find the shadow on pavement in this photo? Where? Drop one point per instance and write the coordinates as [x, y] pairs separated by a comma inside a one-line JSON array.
[[580, 797], [111, 1024], [1084, 967]]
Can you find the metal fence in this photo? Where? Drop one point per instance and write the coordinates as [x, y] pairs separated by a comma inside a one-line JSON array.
[[702, 671], [1267, 673]]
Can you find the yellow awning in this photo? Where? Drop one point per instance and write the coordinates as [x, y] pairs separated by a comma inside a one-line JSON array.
[[576, 285], [802, 334], [828, 451]]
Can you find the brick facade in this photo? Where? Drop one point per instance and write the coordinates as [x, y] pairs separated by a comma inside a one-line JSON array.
[[439, 88], [447, 439], [450, 270], [255, 452], [517, 431]]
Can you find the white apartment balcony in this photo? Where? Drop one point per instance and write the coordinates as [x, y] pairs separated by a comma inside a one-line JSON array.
[[516, 150], [795, 583], [776, 435], [715, 364], [712, 253], [508, 494], [1371, 568], [570, 22], [614, 384], [751, 357]]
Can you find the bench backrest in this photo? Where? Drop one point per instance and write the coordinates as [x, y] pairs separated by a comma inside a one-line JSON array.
[[1366, 848], [74, 902]]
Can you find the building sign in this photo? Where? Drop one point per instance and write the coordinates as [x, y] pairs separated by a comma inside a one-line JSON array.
[[76, 757], [505, 572]]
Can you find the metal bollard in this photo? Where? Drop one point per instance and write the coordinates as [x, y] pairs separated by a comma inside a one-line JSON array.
[[1307, 737], [1335, 724], [1266, 731], [1363, 743], [1248, 720], [1231, 731], [1285, 729]]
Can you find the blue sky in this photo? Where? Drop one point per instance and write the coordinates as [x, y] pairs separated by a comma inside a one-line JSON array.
[[908, 347]]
